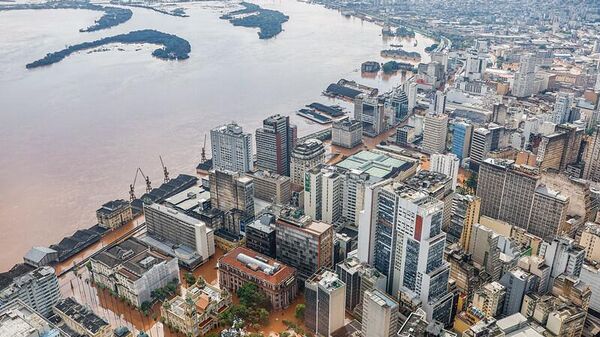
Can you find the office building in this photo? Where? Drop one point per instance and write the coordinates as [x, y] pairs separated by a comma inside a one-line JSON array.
[[484, 141], [548, 213], [434, 133], [304, 244], [81, 320], [461, 139], [465, 213], [272, 187], [274, 144], [325, 299], [518, 283], [380, 316], [358, 278], [438, 106], [346, 133], [405, 135], [590, 241], [261, 236], [447, 164], [277, 280], [436, 185], [396, 106], [133, 271], [371, 113], [231, 148], [523, 82], [564, 256], [19, 320], [305, 156], [591, 170], [167, 228], [417, 325], [114, 214], [323, 191], [484, 250], [490, 299], [36, 288], [197, 312], [475, 66], [232, 190], [562, 108]]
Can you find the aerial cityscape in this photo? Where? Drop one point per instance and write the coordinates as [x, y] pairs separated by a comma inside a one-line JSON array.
[[292, 168]]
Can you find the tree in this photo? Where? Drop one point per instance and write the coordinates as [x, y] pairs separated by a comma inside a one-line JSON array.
[[300, 309], [190, 279], [472, 181], [251, 296], [263, 316], [146, 306]]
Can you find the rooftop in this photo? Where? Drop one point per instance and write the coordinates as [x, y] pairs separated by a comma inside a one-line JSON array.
[[257, 265], [80, 314], [375, 163]]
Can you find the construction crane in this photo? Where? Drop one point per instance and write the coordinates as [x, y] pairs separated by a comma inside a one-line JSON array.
[[165, 171], [203, 157], [132, 186]]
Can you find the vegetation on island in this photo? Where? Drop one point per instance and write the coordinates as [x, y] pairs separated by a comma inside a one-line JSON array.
[[112, 16], [253, 308], [401, 54], [173, 47], [393, 66], [268, 21], [431, 48], [404, 32]]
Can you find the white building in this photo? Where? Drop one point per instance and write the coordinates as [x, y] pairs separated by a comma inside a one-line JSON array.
[[323, 191], [380, 314], [447, 164], [435, 132], [325, 298], [562, 108], [523, 82], [231, 148]]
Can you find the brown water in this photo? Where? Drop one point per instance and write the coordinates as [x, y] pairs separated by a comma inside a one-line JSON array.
[[73, 134]]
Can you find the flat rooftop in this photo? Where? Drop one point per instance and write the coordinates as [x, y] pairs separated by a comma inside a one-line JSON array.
[[376, 164], [257, 265]]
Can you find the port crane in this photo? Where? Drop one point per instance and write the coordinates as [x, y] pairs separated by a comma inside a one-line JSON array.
[[203, 155], [165, 171], [132, 186]]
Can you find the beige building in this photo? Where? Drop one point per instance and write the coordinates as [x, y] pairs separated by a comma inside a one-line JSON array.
[[195, 312], [272, 187], [468, 207], [305, 156], [231, 190], [590, 241], [489, 299], [114, 214]]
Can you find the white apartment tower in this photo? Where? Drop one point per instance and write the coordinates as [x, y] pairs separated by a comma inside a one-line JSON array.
[[231, 148]]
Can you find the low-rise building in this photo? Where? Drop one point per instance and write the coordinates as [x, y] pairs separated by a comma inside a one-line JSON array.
[[275, 279], [114, 214], [346, 133], [81, 319], [19, 320]]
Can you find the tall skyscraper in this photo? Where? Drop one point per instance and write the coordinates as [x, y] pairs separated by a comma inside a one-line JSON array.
[[231, 148], [483, 247], [371, 112], [485, 140], [447, 164], [274, 144], [475, 66], [232, 190], [465, 213], [305, 156], [325, 298], [323, 193], [438, 107], [461, 139], [380, 315], [434, 133], [524, 78], [562, 107], [591, 170], [410, 88]]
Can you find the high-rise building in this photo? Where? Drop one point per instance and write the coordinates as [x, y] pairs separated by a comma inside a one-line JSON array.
[[304, 244], [232, 190], [168, 227], [272, 187], [590, 241], [523, 82], [37, 288], [484, 250], [461, 139], [323, 193], [591, 170], [562, 107], [274, 144], [564, 256], [465, 213], [305, 156], [371, 113], [489, 299], [447, 164], [358, 278], [518, 283], [434, 133], [485, 140], [396, 105], [231, 148], [561, 148], [410, 88], [548, 213], [475, 66], [325, 298], [346, 133], [380, 315], [261, 236]]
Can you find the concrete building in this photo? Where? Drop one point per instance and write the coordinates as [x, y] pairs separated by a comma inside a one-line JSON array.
[[19, 320], [380, 316], [438, 186], [272, 187], [133, 271], [461, 139], [325, 298], [261, 235], [447, 164], [274, 144], [564, 256], [167, 227], [435, 133], [81, 320], [438, 106], [490, 299], [358, 278], [277, 280], [114, 214], [465, 213], [196, 312], [590, 274], [591, 169], [304, 244], [405, 135], [524, 78], [346, 133], [518, 283], [590, 241], [231, 148], [484, 250], [475, 66], [231, 190], [548, 213], [562, 108], [36, 288], [323, 193], [484, 141], [371, 113], [305, 156]]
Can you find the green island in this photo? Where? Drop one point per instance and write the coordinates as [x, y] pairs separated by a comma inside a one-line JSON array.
[[404, 32], [431, 48], [401, 54], [268, 21], [112, 16], [173, 47]]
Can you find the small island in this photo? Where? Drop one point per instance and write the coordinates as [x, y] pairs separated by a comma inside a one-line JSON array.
[[112, 16], [391, 67], [401, 54], [431, 48], [173, 47], [179, 11], [268, 21]]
